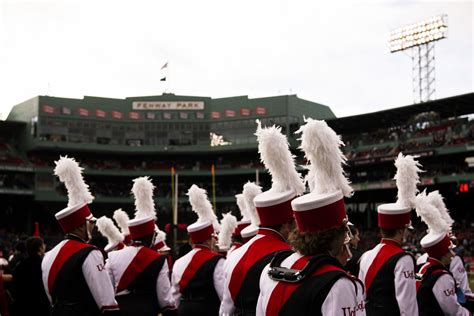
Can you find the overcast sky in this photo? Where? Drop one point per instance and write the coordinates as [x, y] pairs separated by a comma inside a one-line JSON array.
[[330, 52]]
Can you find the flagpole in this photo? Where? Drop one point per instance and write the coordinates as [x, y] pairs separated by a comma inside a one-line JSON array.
[[213, 174], [257, 182]]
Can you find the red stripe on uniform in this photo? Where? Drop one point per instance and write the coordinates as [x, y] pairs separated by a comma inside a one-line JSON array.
[[270, 243], [282, 291], [70, 248], [199, 258], [389, 249], [140, 262]]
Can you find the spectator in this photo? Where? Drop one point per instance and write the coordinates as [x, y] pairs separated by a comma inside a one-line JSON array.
[[30, 297]]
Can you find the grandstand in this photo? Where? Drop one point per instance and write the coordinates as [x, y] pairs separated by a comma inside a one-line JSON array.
[[117, 140]]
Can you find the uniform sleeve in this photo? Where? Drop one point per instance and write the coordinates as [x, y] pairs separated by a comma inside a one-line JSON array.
[[227, 304], [99, 282], [175, 287], [163, 289], [343, 300], [460, 275], [108, 268], [219, 278], [405, 286], [263, 295], [445, 293]]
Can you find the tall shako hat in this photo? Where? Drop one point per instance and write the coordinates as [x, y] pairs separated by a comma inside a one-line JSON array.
[[228, 225], [323, 208], [107, 228], [144, 222], [245, 221], [437, 242], [274, 206], [203, 228], [77, 211], [251, 191], [397, 215], [160, 241], [121, 218]]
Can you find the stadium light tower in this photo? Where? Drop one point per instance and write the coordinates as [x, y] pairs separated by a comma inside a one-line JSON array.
[[420, 39]]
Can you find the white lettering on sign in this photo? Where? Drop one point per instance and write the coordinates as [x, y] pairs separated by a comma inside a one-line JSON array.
[[168, 105]]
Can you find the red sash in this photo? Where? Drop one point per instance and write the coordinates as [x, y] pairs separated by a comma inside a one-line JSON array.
[[388, 250], [69, 248], [282, 291], [140, 262], [200, 257], [270, 243]]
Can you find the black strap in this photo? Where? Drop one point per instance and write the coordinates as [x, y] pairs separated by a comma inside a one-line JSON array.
[[278, 273]]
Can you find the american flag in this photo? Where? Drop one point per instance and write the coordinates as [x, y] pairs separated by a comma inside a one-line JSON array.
[[216, 115], [245, 112], [116, 114], [99, 113], [134, 115], [83, 112], [167, 116], [229, 113], [260, 110], [48, 109]]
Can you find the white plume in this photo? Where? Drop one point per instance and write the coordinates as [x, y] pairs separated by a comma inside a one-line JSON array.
[[407, 179], [69, 172], [160, 235], [242, 207], [429, 214], [201, 205], [436, 199], [122, 219], [107, 228], [143, 191], [228, 225], [251, 190], [321, 146], [277, 158]]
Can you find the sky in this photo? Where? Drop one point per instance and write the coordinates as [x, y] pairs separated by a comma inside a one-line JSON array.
[[330, 52]]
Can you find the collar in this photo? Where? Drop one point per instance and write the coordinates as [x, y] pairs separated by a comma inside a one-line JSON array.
[[434, 261], [201, 246], [75, 237], [390, 241], [270, 232]]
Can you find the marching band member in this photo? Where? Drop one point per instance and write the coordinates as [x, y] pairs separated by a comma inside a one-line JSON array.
[[74, 276]]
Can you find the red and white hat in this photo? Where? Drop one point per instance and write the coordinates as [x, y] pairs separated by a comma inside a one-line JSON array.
[[122, 219], [107, 228], [437, 242], [436, 245], [144, 222], [323, 208], [77, 211], [245, 221], [206, 224], [274, 205], [398, 215]]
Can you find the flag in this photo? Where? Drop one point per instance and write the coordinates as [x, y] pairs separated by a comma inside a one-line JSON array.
[[48, 109], [164, 66], [163, 79], [99, 113], [83, 112]]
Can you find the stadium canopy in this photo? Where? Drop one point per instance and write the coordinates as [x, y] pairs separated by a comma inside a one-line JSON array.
[[445, 108]]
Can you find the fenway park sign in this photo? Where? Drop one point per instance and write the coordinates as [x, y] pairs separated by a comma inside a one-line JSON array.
[[168, 105]]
